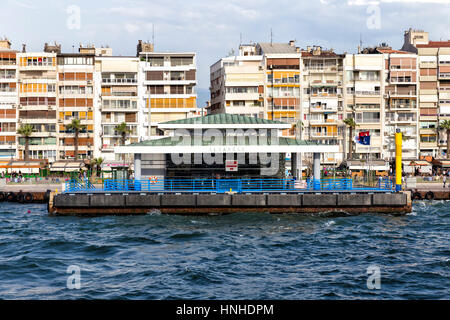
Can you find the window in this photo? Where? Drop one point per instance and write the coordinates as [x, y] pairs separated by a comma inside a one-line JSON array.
[[368, 117], [427, 138]]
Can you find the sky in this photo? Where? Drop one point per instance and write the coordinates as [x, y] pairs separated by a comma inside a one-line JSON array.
[[214, 28]]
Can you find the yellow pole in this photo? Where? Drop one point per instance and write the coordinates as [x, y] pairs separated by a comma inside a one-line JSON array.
[[398, 161]]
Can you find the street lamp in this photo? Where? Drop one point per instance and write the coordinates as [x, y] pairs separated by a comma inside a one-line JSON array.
[[11, 153]]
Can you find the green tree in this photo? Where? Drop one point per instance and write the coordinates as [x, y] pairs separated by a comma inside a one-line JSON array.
[[350, 122], [445, 125], [122, 130], [76, 127], [26, 131], [96, 164]]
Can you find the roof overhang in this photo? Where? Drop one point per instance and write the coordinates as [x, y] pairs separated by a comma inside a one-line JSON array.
[[223, 126], [190, 149]]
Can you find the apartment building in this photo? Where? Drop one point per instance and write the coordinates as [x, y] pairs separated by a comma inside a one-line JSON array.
[[37, 82], [364, 101], [75, 101], [115, 102], [167, 87], [262, 81], [434, 89], [281, 65], [8, 100], [322, 83], [237, 84], [401, 109]]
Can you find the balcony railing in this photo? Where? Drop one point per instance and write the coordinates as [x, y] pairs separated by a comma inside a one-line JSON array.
[[402, 80], [402, 93], [6, 89], [109, 80], [367, 93], [7, 63]]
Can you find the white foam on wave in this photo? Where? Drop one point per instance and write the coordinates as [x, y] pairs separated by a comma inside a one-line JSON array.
[[330, 223]]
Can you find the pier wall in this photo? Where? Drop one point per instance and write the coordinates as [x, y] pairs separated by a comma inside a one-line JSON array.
[[142, 203]]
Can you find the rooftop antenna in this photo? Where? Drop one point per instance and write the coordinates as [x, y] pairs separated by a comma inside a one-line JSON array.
[[240, 39], [153, 35], [360, 43], [271, 36]]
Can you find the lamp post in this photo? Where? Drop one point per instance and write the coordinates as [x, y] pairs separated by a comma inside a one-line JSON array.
[[11, 153]]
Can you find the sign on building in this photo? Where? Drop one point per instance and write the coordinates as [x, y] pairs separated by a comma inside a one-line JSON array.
[[231, 165]]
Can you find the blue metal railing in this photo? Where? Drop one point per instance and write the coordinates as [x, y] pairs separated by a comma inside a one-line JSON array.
[[78, 185], [224, 185]]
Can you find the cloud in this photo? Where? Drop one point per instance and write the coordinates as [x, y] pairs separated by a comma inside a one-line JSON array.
[[377, 2], [24, 5], [131, 27]]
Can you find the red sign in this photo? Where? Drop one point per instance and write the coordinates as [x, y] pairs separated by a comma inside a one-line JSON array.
[[231, 165]]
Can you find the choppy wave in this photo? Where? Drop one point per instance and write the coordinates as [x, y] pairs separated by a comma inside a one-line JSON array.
[[238, 256]]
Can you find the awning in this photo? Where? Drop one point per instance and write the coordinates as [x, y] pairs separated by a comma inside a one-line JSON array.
[[419, 163], [67, 166], [22, 166], [109, 165], [366, 167]]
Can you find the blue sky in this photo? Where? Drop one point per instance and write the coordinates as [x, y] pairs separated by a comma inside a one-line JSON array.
[[213, 28]]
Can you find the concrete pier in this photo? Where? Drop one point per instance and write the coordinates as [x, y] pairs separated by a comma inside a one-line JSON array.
[[189, 203]]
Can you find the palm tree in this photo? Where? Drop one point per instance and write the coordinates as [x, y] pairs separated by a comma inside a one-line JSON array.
[[298, 128], [96, 164], [122, 130], [76, 127], [26, 131], [445, 125], [350, 122]]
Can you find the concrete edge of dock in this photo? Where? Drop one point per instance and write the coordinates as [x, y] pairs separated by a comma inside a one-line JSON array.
[[131, 203]]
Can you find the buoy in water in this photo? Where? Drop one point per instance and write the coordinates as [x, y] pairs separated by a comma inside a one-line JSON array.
[[29, 211]]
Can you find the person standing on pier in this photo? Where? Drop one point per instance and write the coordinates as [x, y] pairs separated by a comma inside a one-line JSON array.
[[444, 178]]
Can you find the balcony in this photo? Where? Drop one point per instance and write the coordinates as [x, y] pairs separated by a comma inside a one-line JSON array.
[[324, 95], [428, 64], [398, 106], [321, 68], [118, 81], [444, 75], [396, 93], [400, 120], [8, 62], [323, 135], [367, 93], [321, 108], [401, 80]]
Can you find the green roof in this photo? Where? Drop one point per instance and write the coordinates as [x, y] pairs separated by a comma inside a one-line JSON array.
[[224, 118], [225, 141]]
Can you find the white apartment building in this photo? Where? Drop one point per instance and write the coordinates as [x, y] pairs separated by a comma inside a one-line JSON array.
[[364, 87], [237, 84], [167, 84], [322, 99], [116, 100], [262, 81], [402, 111], [8, 100]]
